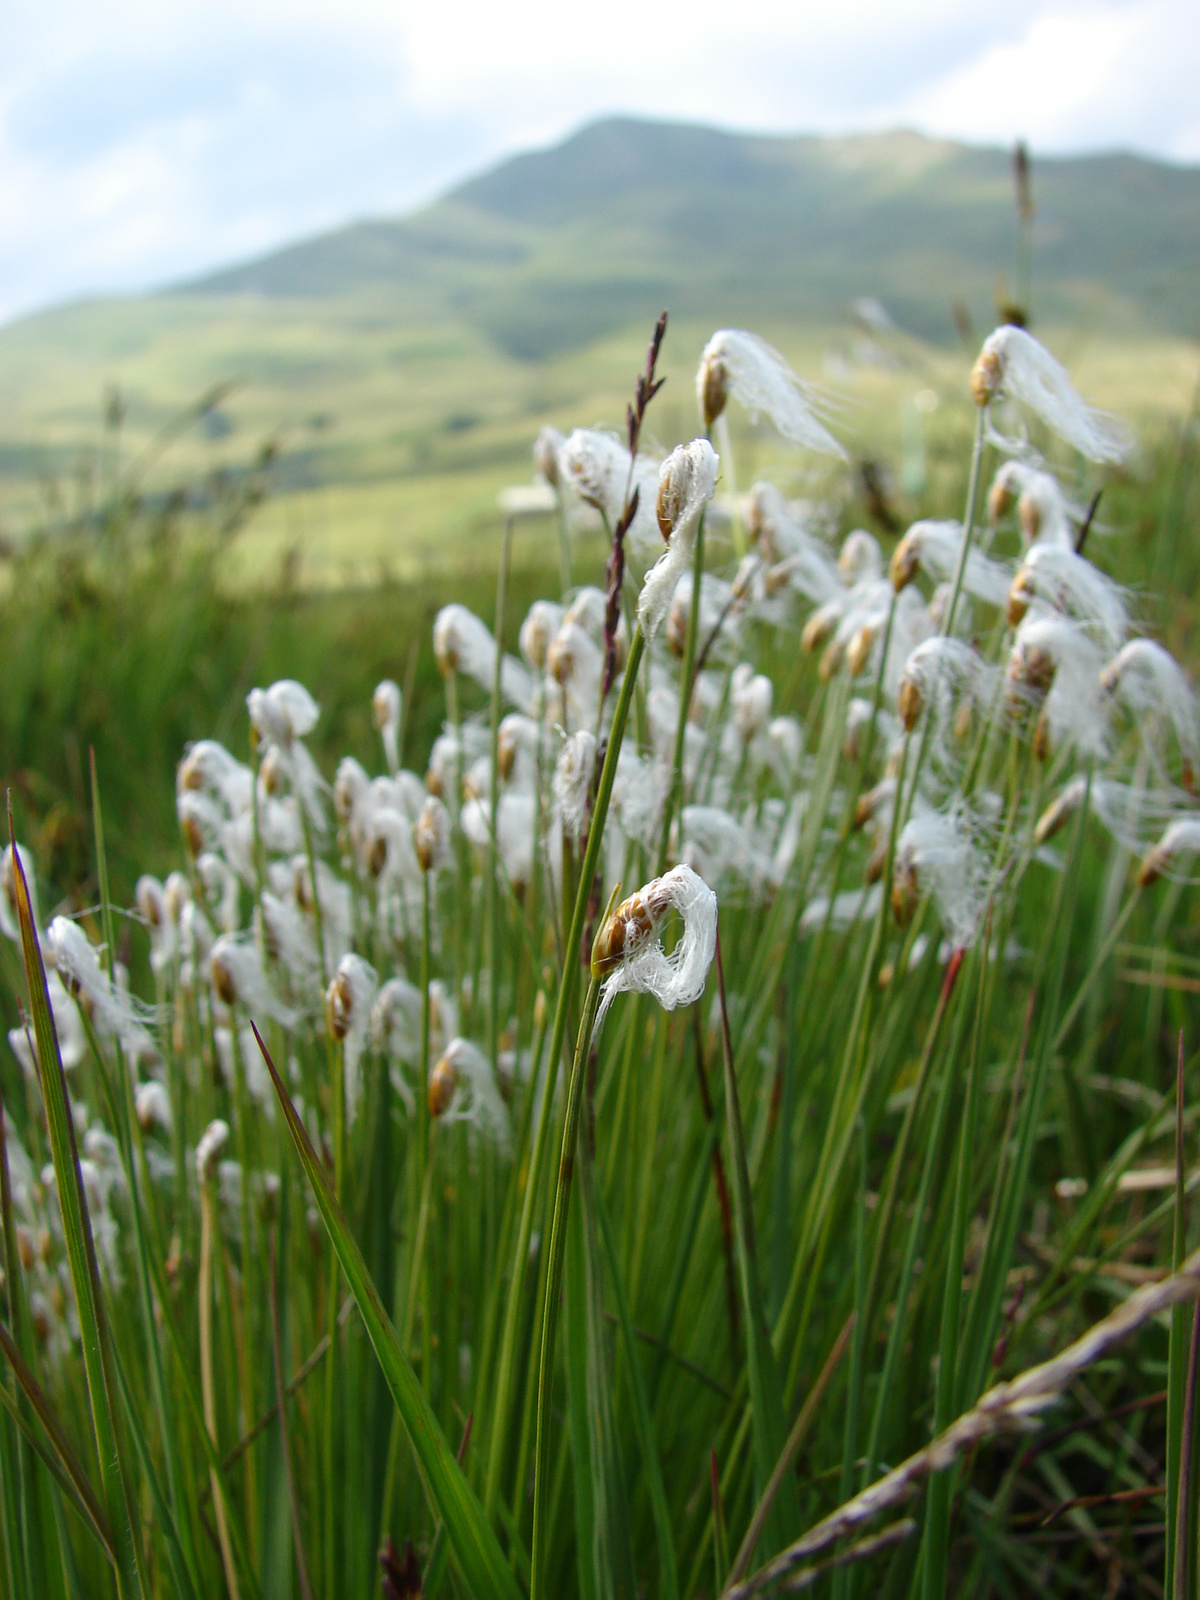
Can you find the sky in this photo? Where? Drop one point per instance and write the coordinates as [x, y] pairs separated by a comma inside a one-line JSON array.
[[144, 141]]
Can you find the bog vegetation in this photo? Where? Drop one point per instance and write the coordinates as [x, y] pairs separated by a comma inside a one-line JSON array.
[[673, 1111]]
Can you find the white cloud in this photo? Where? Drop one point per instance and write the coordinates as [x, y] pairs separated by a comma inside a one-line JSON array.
[[141, 142], [1078, 77]]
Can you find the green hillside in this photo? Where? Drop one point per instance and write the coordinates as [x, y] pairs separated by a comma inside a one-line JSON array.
[[557, 247], [403, 366]]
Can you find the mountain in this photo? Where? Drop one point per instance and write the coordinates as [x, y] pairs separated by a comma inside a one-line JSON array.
[[403, 367], [556, 247]]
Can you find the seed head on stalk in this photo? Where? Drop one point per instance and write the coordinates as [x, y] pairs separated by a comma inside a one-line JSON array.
[[9, 925], [152, 1105], [687, 481], [1155, 688], [938, 853], [1182, 838], [935, 547], [463, 643], [1072, 586], [860, 560], [385, 708], [462, 1088], [1013, 365], [114, 1013], [574, 775], [212, 1141], [546, 451], [628, 953], [1044, 515], [431, 835], [542, 622], [348, 1003], [238, 979], [741, 364]]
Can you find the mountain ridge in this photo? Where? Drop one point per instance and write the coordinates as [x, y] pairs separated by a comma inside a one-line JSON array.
[[783, 224]]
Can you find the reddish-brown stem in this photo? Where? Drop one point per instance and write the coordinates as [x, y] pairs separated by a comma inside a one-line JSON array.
[[722, 1185]]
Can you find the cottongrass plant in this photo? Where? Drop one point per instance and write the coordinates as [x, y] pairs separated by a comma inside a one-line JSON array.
[[591, 1165]]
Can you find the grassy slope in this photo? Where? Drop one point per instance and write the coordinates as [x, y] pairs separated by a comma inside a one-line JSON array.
[[404, 367]]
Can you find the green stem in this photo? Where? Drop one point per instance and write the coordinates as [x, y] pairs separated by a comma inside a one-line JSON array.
[[766, 1393], [937, 1516], [675, 791], [968, 525], [538, 1588]]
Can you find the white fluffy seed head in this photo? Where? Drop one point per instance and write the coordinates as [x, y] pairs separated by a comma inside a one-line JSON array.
[[212, 1142], [517, 749], [463, 1088], [589, 609], [860, 559], [741, 364], [1182, 838], [949, 679], [238, 979], [628, 953], [689, 475], [1044, 515], [777, 529], [431, 835], [208, 768], [349, 998], [462, 643], [9, 924], [751, 698], [1013, 364], [596, 466], [1055, 664], [385, 709], [573, 781], [115, 1014], [385, 704], [541, 624], [1070, 585], [350, 784], [152, 1105], [1156, 689], [284, 712], [935, 547], [396, 1019], [1060, 810], [938, 853], [546, 450]]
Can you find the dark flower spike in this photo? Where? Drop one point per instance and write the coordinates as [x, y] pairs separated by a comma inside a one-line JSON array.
[[401, 1574]]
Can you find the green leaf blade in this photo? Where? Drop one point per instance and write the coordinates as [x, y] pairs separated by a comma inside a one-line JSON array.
[[473, 1542]]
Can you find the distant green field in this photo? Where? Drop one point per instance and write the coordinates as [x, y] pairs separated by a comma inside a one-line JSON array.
[[393, 442]]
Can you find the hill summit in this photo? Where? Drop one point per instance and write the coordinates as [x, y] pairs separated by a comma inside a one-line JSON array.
[[556, 247]]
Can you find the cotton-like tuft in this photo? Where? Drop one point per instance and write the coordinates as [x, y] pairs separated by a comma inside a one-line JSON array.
[[462, 643], [629, 952], [690, 474], [741, 364], [1014, 365]]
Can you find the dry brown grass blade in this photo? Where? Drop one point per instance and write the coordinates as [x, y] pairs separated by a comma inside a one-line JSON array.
[[1006, 1407]]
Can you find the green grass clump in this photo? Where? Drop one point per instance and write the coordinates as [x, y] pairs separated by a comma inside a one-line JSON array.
[[424, 1196]]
